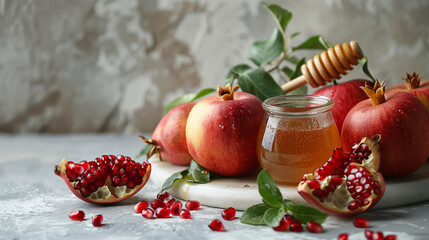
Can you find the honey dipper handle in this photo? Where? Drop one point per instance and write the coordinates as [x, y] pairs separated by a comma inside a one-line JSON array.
[[294, 84]]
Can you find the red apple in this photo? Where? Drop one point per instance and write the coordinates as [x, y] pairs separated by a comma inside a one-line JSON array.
[[401, 120], [345, 96], [222, 130], [169, 136], [414, 86]]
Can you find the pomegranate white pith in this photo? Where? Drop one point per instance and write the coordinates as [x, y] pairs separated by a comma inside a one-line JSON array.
[[348, 183], [107, 179]]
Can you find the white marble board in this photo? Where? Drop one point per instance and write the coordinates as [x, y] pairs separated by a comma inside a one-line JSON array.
[[242, 193]]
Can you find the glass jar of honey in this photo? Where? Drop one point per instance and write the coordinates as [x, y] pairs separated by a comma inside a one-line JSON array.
[[297, 135]]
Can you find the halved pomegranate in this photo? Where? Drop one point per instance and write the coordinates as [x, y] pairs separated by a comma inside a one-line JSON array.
[[107, 179], [348, 183]]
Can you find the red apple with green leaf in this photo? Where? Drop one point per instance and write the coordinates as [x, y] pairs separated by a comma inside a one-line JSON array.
[[345, 96], [222, 130]]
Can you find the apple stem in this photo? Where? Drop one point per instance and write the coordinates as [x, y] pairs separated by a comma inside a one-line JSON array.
[[376, 94], [226, 93]]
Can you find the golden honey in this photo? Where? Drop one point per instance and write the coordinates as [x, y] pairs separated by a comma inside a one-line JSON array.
[[297, 135]]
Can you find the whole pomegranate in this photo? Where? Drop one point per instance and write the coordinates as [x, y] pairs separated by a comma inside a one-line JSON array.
[[402, 121], [169, 137], [107, 179], [414, 86], [222, 130], [345, 96], [348, 183]]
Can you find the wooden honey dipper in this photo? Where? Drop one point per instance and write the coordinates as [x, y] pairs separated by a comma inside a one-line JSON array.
[[327, 66]]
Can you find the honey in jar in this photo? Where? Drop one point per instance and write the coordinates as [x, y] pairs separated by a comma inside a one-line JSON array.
[[297, 135]]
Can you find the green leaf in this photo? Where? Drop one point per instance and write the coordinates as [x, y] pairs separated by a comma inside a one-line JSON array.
[[198, 173], [168, 183], [273, 216], [266, 51], [254, 215], [297, 71], [288, 71], [294, 34], [187, 98], [314, 42], [292, 59], [305, 214], [282, 15], [144, 150], [235, 71], [268, 189], [259, 83], [364, 63], [286, 203]]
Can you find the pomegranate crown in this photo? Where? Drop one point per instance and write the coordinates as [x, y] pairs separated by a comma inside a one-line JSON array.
[[226, 93], [376, 94], [413, 80]]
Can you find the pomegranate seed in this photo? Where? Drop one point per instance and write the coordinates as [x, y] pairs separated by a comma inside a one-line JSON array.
[[148, 213], [314, 227], [162, 196], [228, 214], [296, 226], [157, 204], [97, 220], [192, 205], [163, 212], [361, 222], [217, 225], [343, 236], [314, 184], [169, 201], [353, 205], [138, 208], [77, 215], [368, 234], [175, 208], [378, 236], [390, 237], [185, 214], [284, 224]]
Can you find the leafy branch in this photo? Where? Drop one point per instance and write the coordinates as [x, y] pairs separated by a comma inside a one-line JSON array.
[[274, 207]]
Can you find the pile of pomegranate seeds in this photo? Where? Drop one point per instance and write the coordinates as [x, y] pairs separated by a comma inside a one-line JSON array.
[[165, 206], [89, 176], [288, 223]]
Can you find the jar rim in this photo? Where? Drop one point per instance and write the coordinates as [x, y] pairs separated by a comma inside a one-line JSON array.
[[297, 105]]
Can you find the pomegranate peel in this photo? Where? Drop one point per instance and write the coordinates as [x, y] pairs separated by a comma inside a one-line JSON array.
[[108, 179], [348, 183]]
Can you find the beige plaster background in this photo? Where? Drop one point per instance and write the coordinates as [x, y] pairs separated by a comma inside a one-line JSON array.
[[111, 66]]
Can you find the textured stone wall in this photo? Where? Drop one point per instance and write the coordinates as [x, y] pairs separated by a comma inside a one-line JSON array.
[[111, 66]]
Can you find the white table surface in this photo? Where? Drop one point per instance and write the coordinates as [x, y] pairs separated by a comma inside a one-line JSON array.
[[34, 202]]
